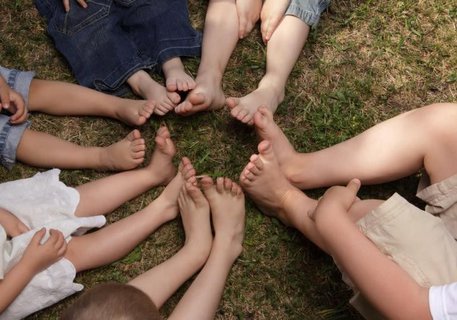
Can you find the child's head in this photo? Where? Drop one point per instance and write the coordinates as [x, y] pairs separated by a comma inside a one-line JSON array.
[[113, 301]]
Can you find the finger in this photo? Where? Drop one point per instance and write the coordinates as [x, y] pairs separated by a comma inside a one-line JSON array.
[[354, 185], [36, 239], [242, 29], [4, 98], [82, 3], [66, 5], [63, 249]]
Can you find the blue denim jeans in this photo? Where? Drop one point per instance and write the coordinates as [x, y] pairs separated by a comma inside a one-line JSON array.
[[112, 39], [11, 134], [309, 11]]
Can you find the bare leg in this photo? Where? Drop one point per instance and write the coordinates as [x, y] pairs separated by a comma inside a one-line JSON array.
[[162, 281], [104, 195], [221, 23], [283, 51], [263, 180], [116, 240], [176, 77], [60, 98], [40, 149], [227, 209], [144, 86], [395, 148]]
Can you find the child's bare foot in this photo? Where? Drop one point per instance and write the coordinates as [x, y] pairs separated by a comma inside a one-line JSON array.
[[134, 112], [195, 217], [143, 85], [176, 77], [168, 199], [226, 200], [263, 180], [125, 154], [207, 95], [245, 107], [161, 164], [289, 160]]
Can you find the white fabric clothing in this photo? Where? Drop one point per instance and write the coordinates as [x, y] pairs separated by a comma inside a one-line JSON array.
[[443, 302], [41, 201]]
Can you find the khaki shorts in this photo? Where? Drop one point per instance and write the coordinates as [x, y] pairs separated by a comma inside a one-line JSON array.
[[421, 242]]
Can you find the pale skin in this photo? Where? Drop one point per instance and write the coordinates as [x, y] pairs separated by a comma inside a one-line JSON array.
[[112, 242], [285, 36], [266, 178], [225, 200], [59, 98], [228, 20]]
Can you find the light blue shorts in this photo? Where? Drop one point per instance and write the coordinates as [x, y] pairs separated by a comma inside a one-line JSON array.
[[10, 134], [309, 11]]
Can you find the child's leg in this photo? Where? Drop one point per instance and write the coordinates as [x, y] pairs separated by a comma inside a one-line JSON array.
[[40, 149], [228, 213], [395, 148], [144, 86], [176, 77], [104, 195], [116, 240], [61, 98], [283, 50], [162, 281], [265, 183], [221, 23]]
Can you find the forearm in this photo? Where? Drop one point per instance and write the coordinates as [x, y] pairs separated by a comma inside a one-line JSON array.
[[201, 300], [378, 278], [13, 283], [162, 281]]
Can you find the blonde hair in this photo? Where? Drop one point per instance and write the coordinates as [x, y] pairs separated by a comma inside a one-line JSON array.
[[113, 301]]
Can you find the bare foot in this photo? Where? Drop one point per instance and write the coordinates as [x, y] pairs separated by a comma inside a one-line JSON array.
[[267, 129], [207, 95], [244, 108], [226, 200], [134, 112], [125, 154], [143, 85], [168, 199], [263, 180], [176, 77], [195, 217], [161, 165]]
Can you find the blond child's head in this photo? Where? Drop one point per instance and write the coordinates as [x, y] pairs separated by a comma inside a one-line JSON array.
[[113, 301]]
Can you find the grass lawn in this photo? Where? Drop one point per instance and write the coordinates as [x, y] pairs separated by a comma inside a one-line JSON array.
[[367, 61]]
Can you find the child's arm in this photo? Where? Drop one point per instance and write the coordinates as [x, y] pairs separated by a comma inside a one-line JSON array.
[[12, 102], [248, 14], [391, 290], [12, 225], [36, 258]]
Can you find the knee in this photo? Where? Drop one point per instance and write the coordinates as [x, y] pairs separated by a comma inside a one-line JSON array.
[[441, 120]]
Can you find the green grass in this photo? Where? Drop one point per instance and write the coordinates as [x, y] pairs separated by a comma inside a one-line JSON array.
[[366, 62]]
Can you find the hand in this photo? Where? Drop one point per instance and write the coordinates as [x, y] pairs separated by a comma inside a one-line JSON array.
[[12, 225], [66, 4], [248, 14], [40, 256], [272, 13], [13, 102], [336, 200]]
